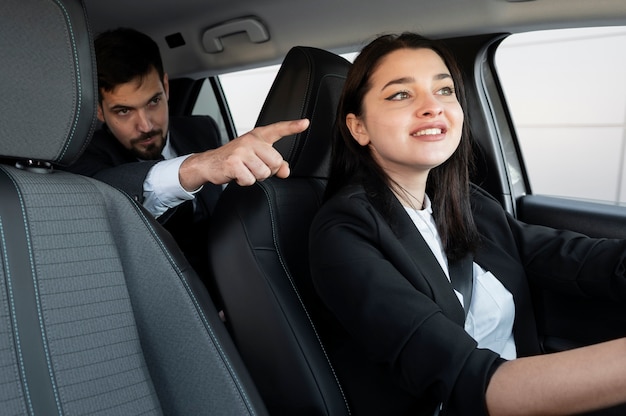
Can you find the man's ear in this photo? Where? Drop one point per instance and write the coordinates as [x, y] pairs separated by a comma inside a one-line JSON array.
[[166, 86], [357, 129], [100, 113]]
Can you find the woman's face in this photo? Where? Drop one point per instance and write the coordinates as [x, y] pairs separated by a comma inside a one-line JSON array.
[[412, 120]]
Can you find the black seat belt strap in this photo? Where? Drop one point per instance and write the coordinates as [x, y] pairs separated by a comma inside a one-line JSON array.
[[462, 278]]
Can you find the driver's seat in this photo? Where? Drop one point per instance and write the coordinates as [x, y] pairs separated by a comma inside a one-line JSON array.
[[258, 247]]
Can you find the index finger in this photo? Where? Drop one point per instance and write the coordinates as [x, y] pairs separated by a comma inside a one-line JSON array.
[[276, 131]]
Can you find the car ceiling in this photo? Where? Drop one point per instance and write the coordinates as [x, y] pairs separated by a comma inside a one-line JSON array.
[[337, 25]]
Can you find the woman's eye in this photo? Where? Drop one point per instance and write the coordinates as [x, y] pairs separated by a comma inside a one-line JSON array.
[[446, 91], [402, 95]]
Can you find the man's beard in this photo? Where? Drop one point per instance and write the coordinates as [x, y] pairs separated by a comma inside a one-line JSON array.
[[151, 152]]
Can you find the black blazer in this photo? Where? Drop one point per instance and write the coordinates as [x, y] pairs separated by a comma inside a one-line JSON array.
[[399, 343], [107, 160]]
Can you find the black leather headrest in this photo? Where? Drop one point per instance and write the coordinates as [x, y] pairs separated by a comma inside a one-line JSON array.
[[48, 82], [308, 85]]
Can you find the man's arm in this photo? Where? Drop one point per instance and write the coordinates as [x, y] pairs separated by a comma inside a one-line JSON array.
[[162, 189], [246, 159]]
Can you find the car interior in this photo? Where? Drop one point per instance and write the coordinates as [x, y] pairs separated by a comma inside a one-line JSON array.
[[100, 311]]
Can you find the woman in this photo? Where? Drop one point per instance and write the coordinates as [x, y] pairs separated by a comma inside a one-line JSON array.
[[401, 215]]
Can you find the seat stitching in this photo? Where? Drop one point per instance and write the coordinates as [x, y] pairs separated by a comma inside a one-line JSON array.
[[78, 83], [295, 289], [214, 338], [16, 334], [37, 295]]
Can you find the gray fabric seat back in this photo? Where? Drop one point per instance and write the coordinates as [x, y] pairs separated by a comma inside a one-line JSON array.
[[99, 311]]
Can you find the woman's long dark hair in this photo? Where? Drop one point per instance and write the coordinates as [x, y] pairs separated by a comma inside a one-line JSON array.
[[448, 185]]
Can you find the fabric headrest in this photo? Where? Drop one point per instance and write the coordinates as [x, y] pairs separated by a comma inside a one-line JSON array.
[[308, 85], [48, 83]]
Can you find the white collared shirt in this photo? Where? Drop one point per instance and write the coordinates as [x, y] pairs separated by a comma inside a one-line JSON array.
[[162, 189], [492, 309]]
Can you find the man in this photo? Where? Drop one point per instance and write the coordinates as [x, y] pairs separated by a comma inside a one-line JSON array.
[[173, 167]]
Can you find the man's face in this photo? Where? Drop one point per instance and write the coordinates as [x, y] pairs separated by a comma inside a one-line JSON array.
[[137, 114]]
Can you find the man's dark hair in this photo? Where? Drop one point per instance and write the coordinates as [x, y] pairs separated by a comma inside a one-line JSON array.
[[124, 54]]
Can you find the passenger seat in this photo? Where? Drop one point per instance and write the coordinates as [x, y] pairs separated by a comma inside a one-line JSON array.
[[99, 311]]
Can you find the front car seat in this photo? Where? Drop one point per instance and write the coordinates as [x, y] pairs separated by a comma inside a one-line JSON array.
[[99, 311], [258, 246]]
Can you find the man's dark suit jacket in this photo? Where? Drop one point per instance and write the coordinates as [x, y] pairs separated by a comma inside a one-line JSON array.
[[107, 160], [399, 344]]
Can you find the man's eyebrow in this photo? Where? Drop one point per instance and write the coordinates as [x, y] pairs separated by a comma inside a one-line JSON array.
[[157, 95], [408, 80], [119, 107]]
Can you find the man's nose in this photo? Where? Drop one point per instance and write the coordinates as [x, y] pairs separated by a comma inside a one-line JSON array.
[[144, 124]]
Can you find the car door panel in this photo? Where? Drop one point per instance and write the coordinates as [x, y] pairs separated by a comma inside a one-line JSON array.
[[566, 321]]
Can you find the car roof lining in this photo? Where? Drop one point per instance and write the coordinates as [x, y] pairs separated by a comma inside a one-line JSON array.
[[345, 26]]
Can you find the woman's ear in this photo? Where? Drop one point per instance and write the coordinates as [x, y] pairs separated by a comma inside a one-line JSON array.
[[357, 129]]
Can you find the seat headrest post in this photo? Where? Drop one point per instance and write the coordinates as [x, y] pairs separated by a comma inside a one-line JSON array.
[[308, 85]]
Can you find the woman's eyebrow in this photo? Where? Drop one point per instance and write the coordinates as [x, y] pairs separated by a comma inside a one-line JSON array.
[[403, 80], [408, 80], [443, 75]]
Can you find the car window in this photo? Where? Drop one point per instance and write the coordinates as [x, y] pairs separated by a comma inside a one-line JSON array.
[[208, 104], [246, 92], [566, 92]]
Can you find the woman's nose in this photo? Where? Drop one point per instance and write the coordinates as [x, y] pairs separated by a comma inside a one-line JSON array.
[[428, 106]]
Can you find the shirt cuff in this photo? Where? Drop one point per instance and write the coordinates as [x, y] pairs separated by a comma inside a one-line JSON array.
[[162, 189]]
